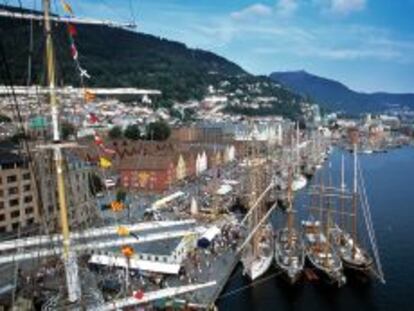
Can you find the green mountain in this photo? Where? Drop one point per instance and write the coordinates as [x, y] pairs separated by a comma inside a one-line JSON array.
[[117, 57]]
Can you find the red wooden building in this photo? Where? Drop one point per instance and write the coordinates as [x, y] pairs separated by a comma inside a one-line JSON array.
[[147, 173]]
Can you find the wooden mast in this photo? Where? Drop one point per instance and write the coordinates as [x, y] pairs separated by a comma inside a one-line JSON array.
[[69, 257], [290, 216], [355, 202], [342, 199]]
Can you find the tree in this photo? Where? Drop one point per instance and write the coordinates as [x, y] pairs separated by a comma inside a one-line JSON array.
[[132, 132], [159, 130], [67, 129], [115, 132]]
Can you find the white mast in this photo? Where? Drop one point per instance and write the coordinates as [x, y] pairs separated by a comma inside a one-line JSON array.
[[69, 257]]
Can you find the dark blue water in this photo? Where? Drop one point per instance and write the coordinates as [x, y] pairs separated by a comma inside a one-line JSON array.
[[390, 186]]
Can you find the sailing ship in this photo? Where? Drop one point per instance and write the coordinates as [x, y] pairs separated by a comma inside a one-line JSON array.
[[352, 254], [319, 249], [289, 246], [321, 254], [257, 256]]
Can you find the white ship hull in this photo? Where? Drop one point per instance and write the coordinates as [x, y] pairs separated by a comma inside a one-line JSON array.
[[256, 266], [299, 183]]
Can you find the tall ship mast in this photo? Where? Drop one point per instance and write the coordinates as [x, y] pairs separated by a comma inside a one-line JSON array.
[[69, 257], [257, 256], [299, 181], [352, 254], [75, 294], [319, 250], [289, 247]]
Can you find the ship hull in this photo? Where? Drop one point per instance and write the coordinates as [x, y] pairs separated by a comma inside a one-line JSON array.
[[322, 255], [289, 260], [299, 183], [255, 267], [258, 267], [353, 257]]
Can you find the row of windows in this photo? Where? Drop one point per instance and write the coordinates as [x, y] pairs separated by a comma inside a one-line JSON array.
[[15, 190], [13, 178], [16, 225], [15, 214], [15, 202]]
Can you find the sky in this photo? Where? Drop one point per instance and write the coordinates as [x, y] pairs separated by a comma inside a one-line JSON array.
[[366, 44]]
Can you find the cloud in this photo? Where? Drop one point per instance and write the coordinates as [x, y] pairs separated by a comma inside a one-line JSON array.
[[255, 10], [286, 7], [345, 7]]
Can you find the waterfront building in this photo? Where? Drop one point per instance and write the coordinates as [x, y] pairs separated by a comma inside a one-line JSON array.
[[18, 201]]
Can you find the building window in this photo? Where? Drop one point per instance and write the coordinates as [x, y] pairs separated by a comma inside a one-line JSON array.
[[2, 229], [27, 188], [28, 199], [2, 217], [30, 221], [14, 202], [15, 214], [26, 176], [29, 210], [1, 193], [1, 205], [11, 178], [13, 190], [15, 226]]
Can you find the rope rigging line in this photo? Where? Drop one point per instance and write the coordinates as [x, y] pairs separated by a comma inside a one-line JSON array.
[[252, 284], [370, 228]]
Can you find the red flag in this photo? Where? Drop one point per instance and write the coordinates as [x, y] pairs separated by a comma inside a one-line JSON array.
[[93, 118], [98, 140], [72, 30], [139, 294]]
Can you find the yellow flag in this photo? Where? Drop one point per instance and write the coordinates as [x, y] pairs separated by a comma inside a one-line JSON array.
[[89, 96], [104, 163], [67, 8], [123, 231]]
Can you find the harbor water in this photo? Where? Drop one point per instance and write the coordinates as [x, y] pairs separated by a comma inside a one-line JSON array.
[[389, 179]]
